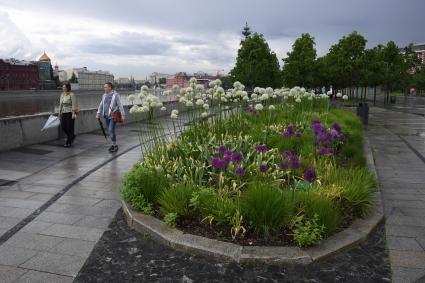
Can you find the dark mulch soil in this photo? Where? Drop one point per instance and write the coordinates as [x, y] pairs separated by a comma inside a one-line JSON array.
[[123, 255], [223, 233]]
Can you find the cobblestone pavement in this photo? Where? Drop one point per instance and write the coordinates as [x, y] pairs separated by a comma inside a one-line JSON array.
[[398, 143], [123, 255]]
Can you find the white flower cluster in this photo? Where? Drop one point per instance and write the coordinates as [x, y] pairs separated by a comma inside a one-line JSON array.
[[174, 114]]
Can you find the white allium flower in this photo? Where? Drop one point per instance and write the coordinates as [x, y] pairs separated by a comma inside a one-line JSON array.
[[274, 96], [199, 102], [192, 80], [175, 111], [298, 100], [310, 98], [199, 87], [204, 114], [217, 82], [269, 90], [134, 109], [285, 97], [220, 90], [271, 107], [131, 97], [329, 93], [259, 106], [206, 106], [257, 89], [264, 97], [144, 108], [144, 88], [163, 108], [166, 93], [182, 100], [345, 97], [223, 99], [237, 85], [339, 94], [261, 90], [254, 96], [176, 87], [142, 95], [245, 98], [173, 116], [189, 104]]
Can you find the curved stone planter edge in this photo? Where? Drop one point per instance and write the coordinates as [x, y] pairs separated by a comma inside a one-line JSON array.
[[356, 233]]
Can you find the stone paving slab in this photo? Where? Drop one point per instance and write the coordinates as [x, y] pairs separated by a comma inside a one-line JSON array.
[[33, 276], [9, 274]]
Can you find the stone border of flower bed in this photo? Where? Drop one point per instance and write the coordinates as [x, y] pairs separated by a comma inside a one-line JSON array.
[[356, 233]]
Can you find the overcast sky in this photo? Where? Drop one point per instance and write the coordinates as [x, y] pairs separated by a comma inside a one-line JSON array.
[[140, 37]]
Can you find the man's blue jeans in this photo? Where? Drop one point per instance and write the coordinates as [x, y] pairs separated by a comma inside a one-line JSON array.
[[110, 122]]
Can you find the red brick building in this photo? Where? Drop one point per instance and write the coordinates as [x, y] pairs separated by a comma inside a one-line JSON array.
[[18, 75], [182, 79]]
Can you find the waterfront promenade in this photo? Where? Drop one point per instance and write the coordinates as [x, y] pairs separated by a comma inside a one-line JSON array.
[[56, 205]]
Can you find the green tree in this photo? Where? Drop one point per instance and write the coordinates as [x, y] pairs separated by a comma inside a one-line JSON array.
[[73, 78], [372, 68], [256, 64], [395, 67], [245, 32], [345, 59], [299, 66]]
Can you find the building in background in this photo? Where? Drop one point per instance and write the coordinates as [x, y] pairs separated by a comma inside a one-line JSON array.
[[420, 51], [159, 78], [182, 79], [89, 80], [18, 75], [45, 72]]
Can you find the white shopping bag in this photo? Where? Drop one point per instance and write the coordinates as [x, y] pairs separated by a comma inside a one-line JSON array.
[[52, 122]]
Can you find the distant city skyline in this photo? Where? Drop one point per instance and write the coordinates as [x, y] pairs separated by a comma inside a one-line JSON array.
[[138, 38]]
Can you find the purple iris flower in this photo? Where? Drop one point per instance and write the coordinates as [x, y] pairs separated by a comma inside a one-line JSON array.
[[237, 157], [216, 163], [310, 175], [295, 164], [298, 134], [334, 133], [240, 171], [326, 151], [287, 154]]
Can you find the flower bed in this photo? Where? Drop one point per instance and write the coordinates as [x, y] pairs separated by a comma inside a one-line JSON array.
[[288, 170]]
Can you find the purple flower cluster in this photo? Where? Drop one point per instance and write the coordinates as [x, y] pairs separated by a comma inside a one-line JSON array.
[[224, 157], [291, 131], [326, 140], [263, 168], [291, 160], [261, 148], [310, 175]]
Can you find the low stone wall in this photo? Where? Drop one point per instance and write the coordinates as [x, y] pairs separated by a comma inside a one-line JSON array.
[[26, 130]]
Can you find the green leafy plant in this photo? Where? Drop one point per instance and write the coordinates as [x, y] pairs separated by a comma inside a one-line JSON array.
[[265, 207], [170, 219], [176, 200], [136, 200], [149, 182], [308, 231]]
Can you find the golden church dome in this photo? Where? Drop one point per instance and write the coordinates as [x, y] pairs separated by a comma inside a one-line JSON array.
[[44, 57]]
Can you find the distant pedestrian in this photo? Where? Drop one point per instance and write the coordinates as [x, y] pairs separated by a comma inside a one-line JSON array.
[[68, 109], [323, 90], [111, 102]]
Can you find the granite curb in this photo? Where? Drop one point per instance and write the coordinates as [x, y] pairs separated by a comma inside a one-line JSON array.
[[358, 232]]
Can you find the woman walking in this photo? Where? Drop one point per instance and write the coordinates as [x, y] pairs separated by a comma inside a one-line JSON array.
[[68, 110], [109, 108]]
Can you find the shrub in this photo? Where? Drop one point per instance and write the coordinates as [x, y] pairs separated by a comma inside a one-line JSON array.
[[265, 207], [170, 219], [311, 203], [308, 232], [213, 206], [146, 181], [136, 200], [176, 200]]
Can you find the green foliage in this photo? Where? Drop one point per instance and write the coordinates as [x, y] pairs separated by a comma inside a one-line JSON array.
[[308, 232], [265, 207], [148, 181], [256, 64], [136, 200], [299, 65], [213, 206], [170, 219], [311, 203], [176, 199]]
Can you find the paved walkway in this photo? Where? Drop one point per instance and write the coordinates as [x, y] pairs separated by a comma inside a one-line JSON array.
[[55, 203], [398, 141]]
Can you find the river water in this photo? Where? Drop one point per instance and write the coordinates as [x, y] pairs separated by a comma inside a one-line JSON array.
[[29, 103]]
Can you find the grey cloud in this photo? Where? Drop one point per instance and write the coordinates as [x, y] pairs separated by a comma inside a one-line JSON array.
[[125, 43]]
